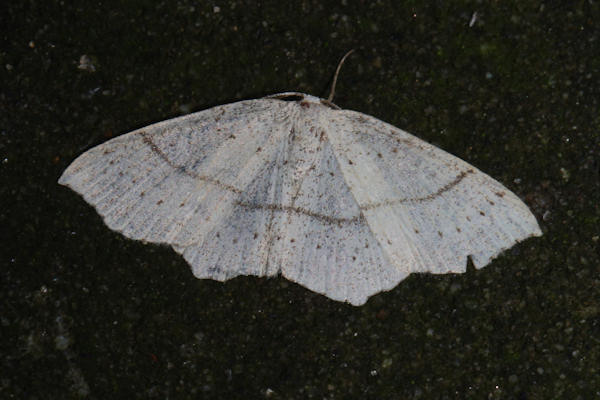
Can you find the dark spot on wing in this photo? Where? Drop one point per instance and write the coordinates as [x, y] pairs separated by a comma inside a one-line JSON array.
[[218, 117]]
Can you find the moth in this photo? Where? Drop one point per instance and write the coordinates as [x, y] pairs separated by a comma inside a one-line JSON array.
[[338, 201]]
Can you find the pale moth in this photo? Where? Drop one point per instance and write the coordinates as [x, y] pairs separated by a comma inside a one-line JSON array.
[[290, 184]]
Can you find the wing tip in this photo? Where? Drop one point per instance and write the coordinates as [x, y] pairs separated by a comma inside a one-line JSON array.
[[64, 179]]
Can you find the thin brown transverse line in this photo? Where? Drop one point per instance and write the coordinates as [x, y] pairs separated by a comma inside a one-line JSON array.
[[430, 196], [274, 207], [298, 210], [148, 140]]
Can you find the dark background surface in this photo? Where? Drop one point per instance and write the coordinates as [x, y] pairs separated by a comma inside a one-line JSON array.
[[85, 312]]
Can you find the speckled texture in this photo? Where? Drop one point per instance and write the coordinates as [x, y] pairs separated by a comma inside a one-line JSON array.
[[289, 184], [86, 312]]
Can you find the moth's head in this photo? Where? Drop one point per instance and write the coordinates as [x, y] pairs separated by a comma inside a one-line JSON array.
[[305, 100]]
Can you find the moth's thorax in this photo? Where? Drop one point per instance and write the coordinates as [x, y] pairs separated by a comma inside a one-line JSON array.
[[303, 99]]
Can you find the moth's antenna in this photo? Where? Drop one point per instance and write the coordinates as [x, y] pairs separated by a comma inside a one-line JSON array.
[[337, 72]]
